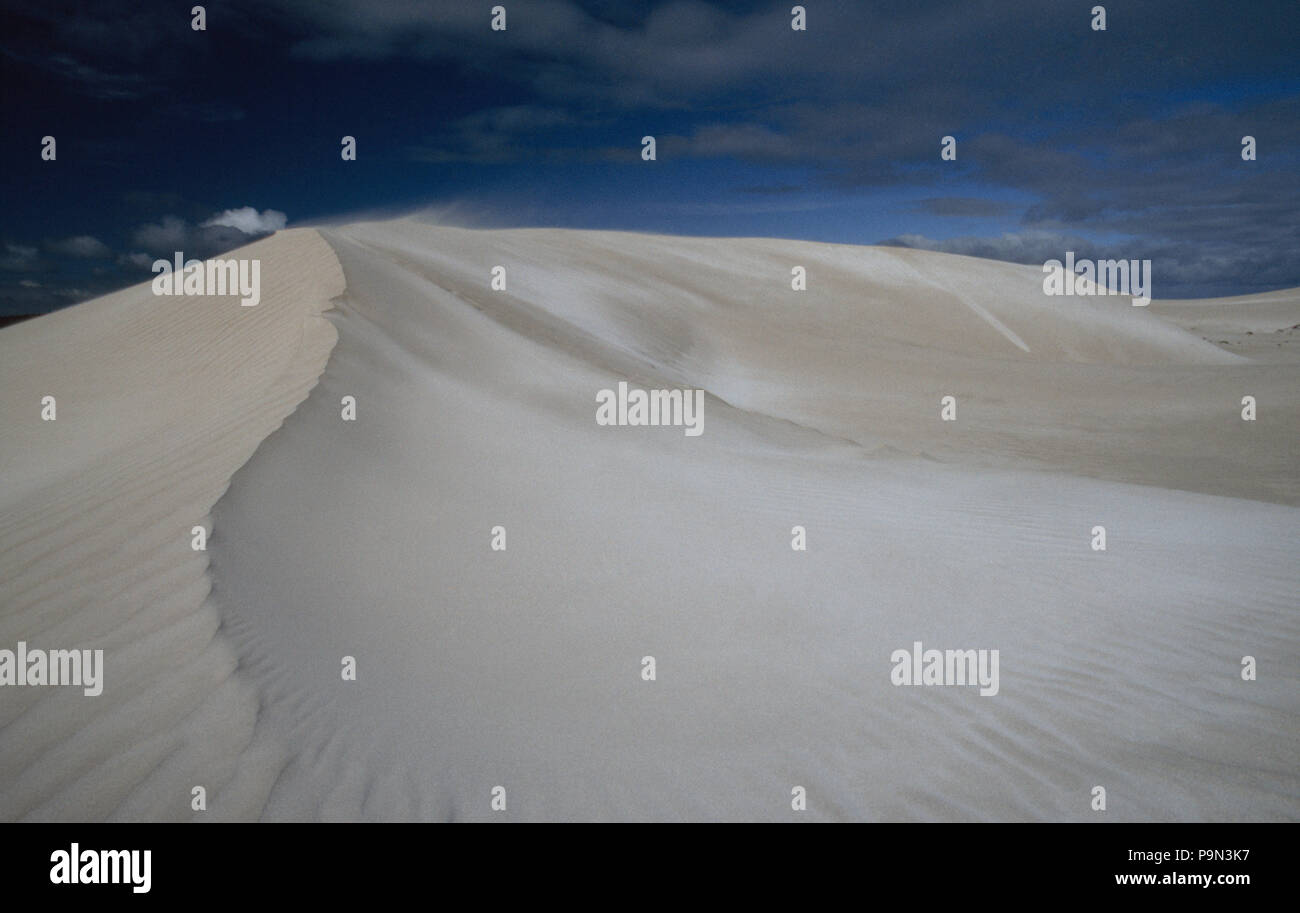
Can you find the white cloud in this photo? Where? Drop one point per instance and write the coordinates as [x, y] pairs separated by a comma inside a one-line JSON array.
[[16, 256], [136, 258], [249, 220], [81, 246], [223, 232], [167, 235]]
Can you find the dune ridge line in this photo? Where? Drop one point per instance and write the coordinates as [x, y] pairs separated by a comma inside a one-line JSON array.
[[160, 400]]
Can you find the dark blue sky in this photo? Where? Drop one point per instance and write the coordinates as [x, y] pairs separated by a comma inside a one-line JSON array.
[[1122, 143]]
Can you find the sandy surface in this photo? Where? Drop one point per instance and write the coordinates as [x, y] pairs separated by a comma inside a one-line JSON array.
[[159, 401], [522, 668]]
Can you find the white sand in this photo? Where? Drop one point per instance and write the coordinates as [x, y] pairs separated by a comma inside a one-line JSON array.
[[522, 668], [159, 401]]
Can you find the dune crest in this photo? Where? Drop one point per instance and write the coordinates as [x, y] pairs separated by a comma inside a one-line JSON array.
[[522, 667], [769, 570], [159, 400]]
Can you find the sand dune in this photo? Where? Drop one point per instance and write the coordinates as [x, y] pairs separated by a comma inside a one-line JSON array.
[[1264, 327], [159, 400], [522, 668]]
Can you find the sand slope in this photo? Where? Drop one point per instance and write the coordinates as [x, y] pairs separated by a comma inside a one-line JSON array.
[[1264, 327], [521, 668], [479, 668], [1092, 386], [159, 400]]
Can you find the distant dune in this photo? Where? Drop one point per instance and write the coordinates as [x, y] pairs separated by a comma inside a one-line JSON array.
[[523, 667]]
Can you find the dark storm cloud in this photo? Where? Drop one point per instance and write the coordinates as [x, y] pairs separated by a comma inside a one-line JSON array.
[[84, 247], [498, 135], [969, 207], [86, 79], [1030, 246], [1132, 133]]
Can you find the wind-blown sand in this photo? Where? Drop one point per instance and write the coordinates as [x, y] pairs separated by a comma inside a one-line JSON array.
[[521, 668]]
